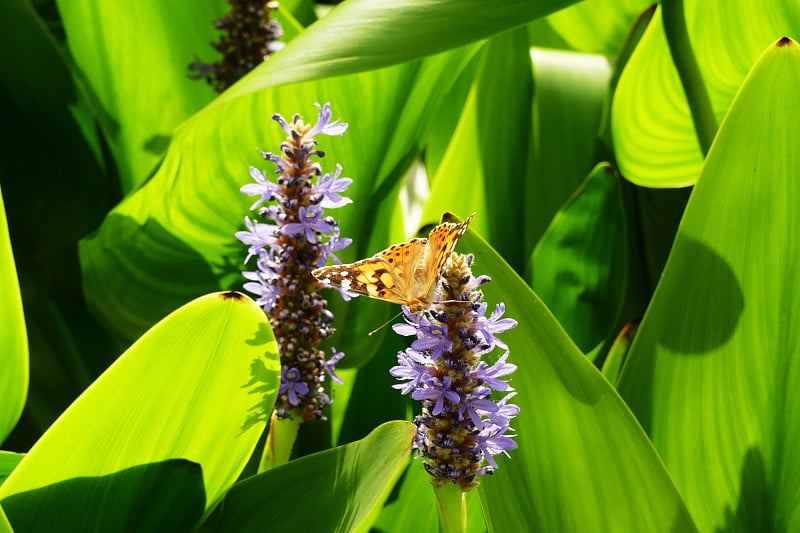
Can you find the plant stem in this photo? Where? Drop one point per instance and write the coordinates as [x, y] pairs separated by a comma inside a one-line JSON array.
[[705, 123], [280, 440], [452, 508]]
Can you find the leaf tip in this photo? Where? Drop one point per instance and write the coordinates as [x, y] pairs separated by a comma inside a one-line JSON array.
[[784, 41], [231, 295]]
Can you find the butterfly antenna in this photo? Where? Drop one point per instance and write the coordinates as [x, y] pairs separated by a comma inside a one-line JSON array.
[[376, 330]]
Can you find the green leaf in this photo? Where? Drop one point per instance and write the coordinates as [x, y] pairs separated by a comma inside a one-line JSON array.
[[345, 486], [183, 220], [8, 461], [5, 527], [654, 135], [135, 61], [361, 35], [14, 337], [194, 390], [570, 91], [480, 169], [597, 26], [579, 267], [713, 371], [583, 462]]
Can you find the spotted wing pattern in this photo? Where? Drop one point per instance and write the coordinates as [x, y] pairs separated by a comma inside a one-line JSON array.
[[404, 273]]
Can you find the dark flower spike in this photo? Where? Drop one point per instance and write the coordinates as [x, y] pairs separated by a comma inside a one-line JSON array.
[[461, 428], [298, 239], [251, 35]]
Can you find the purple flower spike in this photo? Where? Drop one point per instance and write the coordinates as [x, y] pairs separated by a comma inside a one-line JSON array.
[[297, 238], [461, 427]]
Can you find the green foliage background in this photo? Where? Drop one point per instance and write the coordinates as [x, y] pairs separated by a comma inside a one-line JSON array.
[[646, 241]]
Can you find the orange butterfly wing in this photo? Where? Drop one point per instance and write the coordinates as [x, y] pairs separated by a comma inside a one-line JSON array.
[[404, 273]]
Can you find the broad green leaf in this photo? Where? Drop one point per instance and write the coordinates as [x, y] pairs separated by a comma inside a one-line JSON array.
[[569, 93], [14, 337], [583, 462], [654, 135], [8, 461], [174, 237], [597, 26], [135, 61], [480, 171], [344, 487], [713, 372], [361, 35], [579, 267], [185, 405]]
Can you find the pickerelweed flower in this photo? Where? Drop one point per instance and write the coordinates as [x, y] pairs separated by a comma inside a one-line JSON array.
[[251, 36], [299, 239], [461, 428]]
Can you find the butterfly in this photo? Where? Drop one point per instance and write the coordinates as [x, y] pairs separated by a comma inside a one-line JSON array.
[[404, 274]]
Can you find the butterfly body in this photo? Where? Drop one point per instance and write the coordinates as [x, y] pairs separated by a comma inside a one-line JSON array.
[[404, 273]]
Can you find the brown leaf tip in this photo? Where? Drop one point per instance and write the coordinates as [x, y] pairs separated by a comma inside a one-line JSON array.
[[784, 41], [231, 295]]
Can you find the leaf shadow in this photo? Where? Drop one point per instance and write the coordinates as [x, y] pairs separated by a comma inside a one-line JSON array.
[[754, 510], [163, 496], [264, 378]]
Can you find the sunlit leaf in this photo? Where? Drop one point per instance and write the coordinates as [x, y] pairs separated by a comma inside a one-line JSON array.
[[712, 374], [583, 462], [569, 93], [13, 338], [8, 461], [654, 135], [480, 171], [597, 26], [174, 238], [361, 35], [182, 407]]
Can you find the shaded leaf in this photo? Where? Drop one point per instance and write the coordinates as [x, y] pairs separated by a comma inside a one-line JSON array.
[[579, 266], [139, 112], [583, 462], [203, 380], [365, 472]]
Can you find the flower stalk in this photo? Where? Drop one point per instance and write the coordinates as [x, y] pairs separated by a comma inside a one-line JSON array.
[[251, 35], [291, 237], [461, 428]]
